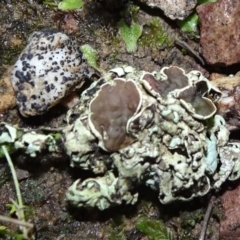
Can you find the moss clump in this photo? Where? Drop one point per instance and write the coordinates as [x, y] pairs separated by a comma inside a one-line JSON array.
[[154, 229], [130, 34], [154, 34], [70, 4], [91, 55]]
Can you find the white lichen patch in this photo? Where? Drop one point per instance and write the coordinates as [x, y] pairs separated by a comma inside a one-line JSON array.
[[49, 67], [172, 142]]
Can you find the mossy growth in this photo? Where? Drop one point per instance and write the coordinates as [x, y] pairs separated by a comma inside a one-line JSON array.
[[154, 229], [10, 148], [70, 4], [154, 35], [130, 34], [116, 234], [91, 56], [129, 29], [66, 5]]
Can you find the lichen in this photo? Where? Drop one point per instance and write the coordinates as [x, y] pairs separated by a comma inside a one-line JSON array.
[[66, 5], [154, 229], [70, 4], [159, 129]]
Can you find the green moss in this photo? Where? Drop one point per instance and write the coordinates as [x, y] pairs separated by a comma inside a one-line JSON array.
[[91, 55], [188, 222], [130, 34], [66, 5], [154, 34], [10, 148], [154, 229], [116, 235], [70, 4], [133, 11], [5, 233]]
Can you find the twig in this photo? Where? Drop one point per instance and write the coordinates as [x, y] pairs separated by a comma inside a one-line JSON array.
[[16, 221], [17, 188], [207, 217], [189, 49]]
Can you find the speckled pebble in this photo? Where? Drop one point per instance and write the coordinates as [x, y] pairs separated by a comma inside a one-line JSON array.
[[7, 99], [48, 68]]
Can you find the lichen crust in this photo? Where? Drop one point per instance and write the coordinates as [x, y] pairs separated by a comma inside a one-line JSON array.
[[178, 145]]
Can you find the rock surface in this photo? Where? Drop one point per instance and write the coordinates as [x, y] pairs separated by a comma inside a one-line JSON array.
[[220, 32], [48, 68], [7, 98], [174, 9], [230, 227]]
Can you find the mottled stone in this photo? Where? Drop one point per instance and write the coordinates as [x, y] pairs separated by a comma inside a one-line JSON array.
[[174, 9], [230, 226], [49, 68], [220, 32]]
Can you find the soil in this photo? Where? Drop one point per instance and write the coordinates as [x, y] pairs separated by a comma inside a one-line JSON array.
[[45, 179]]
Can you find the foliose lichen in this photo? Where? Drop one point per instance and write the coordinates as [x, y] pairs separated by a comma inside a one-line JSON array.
[[159, 129], [165, 143], [91, 56]]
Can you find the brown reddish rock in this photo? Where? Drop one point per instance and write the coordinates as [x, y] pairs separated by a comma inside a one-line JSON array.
[[230, 226], [7, 95], [220, 32]]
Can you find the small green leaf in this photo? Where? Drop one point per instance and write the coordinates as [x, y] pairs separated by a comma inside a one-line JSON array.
[[130, 34], [190, 23], [3, 228], [50, 3], [13, 208], [70, 4], [91, 55]]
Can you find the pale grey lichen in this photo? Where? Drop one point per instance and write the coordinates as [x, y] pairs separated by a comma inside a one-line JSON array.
[[28, 141], [159, 129], [172, 141], [33, 143]]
